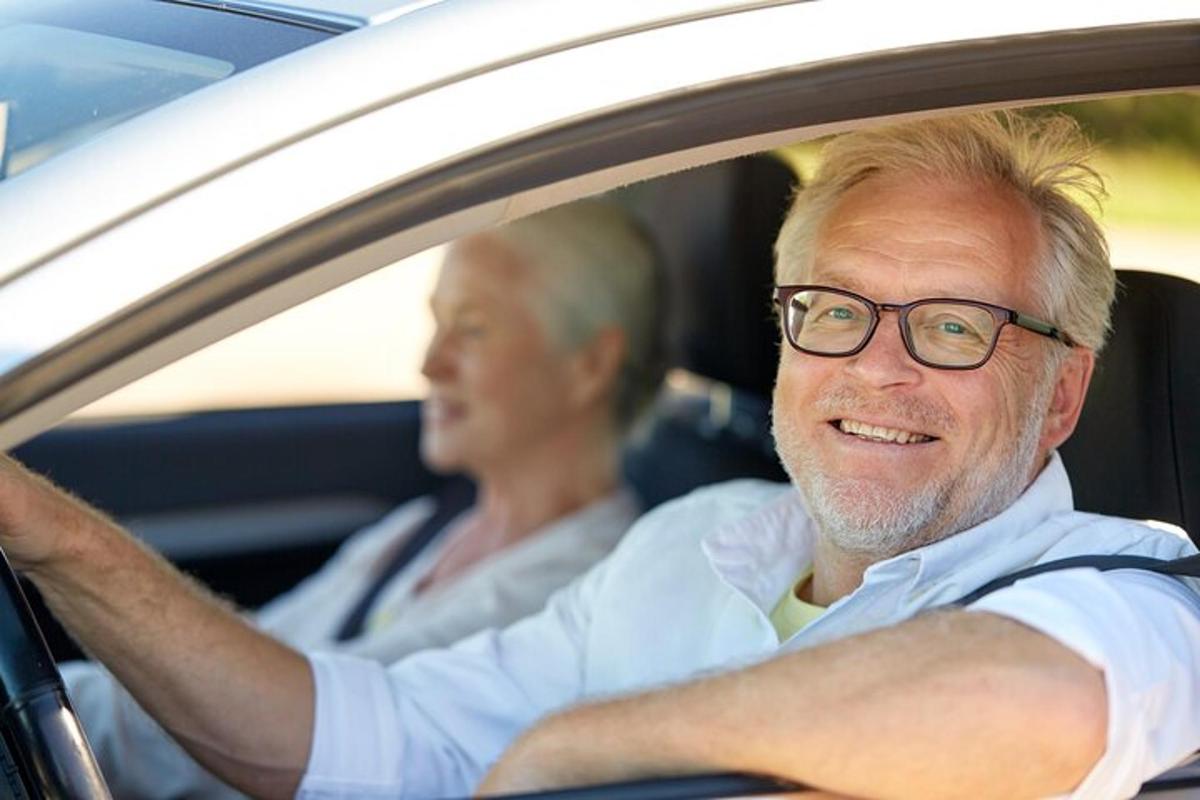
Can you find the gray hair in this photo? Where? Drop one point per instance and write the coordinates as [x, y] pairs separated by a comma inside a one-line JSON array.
[[1043, 158], [597, 268]]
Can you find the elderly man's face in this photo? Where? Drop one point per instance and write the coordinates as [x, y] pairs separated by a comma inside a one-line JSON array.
[[895, 239]]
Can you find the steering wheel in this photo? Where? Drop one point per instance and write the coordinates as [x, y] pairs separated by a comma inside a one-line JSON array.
[[45, 753]]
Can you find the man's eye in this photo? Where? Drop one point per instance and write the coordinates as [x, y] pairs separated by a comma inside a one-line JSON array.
[[840, 313], [953, 327]]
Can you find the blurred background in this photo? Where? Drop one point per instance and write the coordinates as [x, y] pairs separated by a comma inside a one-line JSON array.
[[364, 341]]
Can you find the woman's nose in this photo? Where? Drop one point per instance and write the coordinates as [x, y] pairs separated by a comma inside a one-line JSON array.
[[437, 362]]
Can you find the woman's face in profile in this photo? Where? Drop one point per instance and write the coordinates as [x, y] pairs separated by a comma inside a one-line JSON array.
[[497, 384]]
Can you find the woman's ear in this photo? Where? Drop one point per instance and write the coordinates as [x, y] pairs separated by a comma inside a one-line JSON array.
[[596, 366], [1066, 401]]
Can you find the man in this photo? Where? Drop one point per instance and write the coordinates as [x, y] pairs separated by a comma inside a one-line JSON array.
[[755, 627]]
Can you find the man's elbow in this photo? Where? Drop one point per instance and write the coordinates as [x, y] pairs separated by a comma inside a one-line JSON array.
[[1065, 714], [1083, 724]]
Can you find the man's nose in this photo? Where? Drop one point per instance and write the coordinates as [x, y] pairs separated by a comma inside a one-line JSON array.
[[885, 361]]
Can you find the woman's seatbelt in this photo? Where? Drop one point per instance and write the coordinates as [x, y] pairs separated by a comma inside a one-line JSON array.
[[456, 496]]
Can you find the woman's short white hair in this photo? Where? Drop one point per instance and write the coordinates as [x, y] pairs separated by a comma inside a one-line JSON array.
[[597, 267], [1043, 158]]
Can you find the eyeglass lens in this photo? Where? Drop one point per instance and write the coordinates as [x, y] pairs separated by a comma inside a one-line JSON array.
[[943, 334]]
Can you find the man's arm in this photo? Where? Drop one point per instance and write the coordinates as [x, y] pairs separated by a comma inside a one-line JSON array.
[[952, 704], [138, 758], [240, 702]]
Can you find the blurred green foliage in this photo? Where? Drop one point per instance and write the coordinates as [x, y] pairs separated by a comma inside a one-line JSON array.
[[1148, 153], [1149, 156], [1166, 121]]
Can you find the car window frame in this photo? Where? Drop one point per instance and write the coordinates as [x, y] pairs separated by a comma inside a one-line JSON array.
[[577, 157]]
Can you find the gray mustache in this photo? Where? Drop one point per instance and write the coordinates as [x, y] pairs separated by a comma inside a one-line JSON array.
[[909, 412]]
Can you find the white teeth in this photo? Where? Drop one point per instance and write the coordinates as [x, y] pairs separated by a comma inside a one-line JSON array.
[[880, 434]]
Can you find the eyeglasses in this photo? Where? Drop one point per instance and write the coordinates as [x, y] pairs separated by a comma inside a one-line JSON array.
[[939, 332]]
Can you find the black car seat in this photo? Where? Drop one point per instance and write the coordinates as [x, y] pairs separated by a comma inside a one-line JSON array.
[[1136, 451], [715, 226]]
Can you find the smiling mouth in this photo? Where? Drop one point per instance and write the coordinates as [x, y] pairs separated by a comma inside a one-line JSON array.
[[878, 433]]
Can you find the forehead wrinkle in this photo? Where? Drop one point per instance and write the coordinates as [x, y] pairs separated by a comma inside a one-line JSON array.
[[949, 286], [932, 230], [961, 271]]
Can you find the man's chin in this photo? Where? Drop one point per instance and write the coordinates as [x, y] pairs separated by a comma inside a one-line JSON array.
[[867, 516]]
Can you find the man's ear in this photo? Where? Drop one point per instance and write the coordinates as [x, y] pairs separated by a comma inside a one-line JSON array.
[[1066, 401], [596, 365]]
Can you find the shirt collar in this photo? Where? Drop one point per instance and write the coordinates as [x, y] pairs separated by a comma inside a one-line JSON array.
[[1049, 494], [760, 555]]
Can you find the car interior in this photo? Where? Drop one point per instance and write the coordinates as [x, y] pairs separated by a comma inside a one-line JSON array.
[[250, 501]]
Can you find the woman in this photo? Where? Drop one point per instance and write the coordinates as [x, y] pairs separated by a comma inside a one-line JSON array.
[[546, 348]]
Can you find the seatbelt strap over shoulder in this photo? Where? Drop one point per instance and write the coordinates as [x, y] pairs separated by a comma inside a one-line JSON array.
[[456, 496], [1188, 567]]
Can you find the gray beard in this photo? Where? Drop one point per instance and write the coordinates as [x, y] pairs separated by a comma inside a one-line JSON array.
[[867, 518]]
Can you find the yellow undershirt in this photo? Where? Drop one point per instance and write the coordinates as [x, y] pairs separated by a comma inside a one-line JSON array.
[[791, 613]]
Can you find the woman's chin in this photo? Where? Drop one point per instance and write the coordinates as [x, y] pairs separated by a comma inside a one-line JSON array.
[[440, 456]]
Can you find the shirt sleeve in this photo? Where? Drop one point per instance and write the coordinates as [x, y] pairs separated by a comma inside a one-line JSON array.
[[1143, 631], [432, 724]]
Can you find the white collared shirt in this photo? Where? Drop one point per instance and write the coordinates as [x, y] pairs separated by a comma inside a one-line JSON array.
[[690, 591]]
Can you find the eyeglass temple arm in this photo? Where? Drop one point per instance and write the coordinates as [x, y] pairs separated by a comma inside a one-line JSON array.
[[1044, 328]]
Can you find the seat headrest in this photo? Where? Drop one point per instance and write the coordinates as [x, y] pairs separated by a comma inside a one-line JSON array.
[[1136, 451], [715, 226]]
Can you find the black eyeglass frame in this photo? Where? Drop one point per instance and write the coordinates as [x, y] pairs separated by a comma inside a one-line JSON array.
[[1003, 316]]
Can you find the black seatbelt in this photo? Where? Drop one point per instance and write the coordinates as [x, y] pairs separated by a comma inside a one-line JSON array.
[[1187, 567], [455, 497]]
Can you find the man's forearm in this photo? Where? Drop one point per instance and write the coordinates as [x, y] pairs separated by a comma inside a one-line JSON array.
[[952, 704], [239, 701]]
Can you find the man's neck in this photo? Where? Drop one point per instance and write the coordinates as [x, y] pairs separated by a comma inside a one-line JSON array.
[[836, 573]]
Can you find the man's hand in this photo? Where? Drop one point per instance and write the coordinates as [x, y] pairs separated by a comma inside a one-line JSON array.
[[941, 706], [237, 700], [37, 521]]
